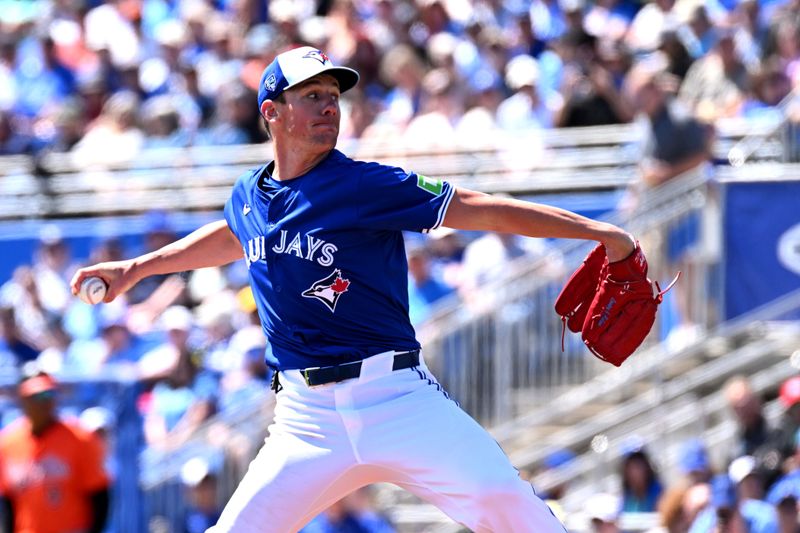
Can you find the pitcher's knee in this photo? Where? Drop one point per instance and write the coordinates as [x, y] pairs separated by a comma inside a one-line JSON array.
[[512, 505], [498, 494]]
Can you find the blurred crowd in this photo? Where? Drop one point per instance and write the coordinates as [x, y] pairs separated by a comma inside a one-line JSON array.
[[751, 484], [191, 345], [104, 80]]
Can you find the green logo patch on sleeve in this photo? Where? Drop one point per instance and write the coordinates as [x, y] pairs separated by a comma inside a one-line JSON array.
[[431, 185]]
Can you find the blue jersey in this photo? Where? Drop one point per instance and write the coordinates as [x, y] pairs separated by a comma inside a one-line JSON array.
[[326, 258]]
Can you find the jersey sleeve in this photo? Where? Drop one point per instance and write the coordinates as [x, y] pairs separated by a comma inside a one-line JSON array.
[[393, 199], [238, 199], [230, 211]]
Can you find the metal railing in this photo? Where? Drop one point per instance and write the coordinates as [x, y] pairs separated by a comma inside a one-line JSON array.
[[199, 178], [505, 358]]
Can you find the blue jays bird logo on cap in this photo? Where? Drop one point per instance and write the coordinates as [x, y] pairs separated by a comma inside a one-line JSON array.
[[329, 289], [319, 55]]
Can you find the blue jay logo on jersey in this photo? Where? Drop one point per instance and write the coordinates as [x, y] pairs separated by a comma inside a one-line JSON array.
[[329, 289]]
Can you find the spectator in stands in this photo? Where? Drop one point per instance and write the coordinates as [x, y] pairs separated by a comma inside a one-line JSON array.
[[424, 290], [694, 463], [231, 124], [486, 95], [446, 247], [199, 479], [696, 499], [488, 258], [769, 85], [591, 97], [58, 344], [716, 84], [641, 486], [402, 70], [12, 140], [23, 294], [788, 485], [745, 473], [176, 324], [699, 33], [609, 19], [672, 517], [162, 124], [158, 230], [64, 128], [751, 20], [216, 316], [603, 510], [51, 471], [185, 395], [246, 387], [676, 142], [649, 23], [120, 346], [785, 433], [752, 428], [786, 38], [14, 349], [8, 59], [113, 25], [434, 127], [99, 422], [788, 516], [52, 263], [548, 19], [114, 137], [553, 462], [727, 513], [42, 79], [359, 111], [354, 512], [527, 108], [677, 56], [349, 41]]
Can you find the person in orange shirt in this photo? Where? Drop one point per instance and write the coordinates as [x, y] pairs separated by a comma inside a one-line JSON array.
[[52, 478]]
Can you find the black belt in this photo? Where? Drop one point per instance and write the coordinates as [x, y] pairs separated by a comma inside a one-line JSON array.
[[322, 375]]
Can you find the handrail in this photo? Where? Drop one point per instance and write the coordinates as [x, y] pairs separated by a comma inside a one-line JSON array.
[[645, 402], [649, 362]]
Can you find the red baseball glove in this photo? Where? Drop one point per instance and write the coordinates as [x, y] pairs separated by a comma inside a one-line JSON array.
[[573, 302], [622, 308]]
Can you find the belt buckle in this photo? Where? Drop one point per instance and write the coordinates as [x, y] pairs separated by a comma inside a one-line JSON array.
[[304, 372]]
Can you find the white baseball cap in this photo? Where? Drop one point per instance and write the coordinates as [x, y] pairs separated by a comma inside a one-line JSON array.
[[522, 70], [741, 467], [298, 65]]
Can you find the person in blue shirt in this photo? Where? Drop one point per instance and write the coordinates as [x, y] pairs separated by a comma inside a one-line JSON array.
[[726, 513], [424, 288], [322, 238], [352, 514], [641, 487]]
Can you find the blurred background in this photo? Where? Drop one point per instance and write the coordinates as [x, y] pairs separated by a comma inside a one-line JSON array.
[[124, 123]]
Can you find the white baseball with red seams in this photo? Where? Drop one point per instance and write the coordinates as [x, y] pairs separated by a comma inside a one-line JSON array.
[[93, 290]]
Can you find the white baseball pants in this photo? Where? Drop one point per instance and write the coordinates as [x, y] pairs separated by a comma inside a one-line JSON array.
[[385, 426]]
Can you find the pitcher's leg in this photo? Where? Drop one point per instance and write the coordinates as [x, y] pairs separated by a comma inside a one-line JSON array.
[[451, 461], [286, 485], [304, 465]]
